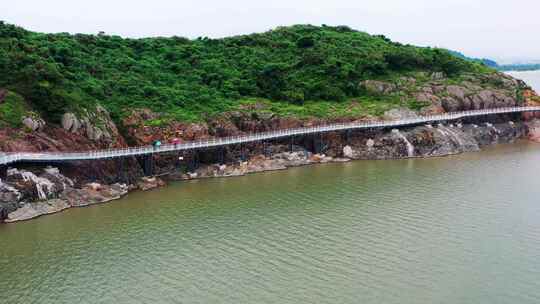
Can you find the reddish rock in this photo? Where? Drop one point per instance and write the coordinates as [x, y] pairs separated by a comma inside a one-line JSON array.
[[531, 99]]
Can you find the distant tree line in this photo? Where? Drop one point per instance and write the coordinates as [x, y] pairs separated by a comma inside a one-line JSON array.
[[495, 65], [519, 67]]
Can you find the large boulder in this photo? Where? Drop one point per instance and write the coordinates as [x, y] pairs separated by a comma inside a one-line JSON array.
[[148, 183], [31, 187], [93, 194], [487, 99], [9, 200], [377, 87], [33, 123], [70, 122], [456, 91], [451, 104], [400, 114], [348, 152], [96, 125], [533, 127], [428, 97]]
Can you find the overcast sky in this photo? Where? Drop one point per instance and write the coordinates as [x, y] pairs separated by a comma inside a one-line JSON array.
[[506, 30]]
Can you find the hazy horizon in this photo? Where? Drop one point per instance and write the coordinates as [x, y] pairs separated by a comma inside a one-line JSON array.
[[494, 29]]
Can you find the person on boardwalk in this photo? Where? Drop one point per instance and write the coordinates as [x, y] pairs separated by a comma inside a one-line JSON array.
[[175, 141], [156, 144]]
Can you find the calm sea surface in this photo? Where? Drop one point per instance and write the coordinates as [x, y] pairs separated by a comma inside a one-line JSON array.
[[461, 229], [530, 77]]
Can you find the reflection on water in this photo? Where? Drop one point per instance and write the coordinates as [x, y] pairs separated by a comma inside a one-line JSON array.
[[462, 229]]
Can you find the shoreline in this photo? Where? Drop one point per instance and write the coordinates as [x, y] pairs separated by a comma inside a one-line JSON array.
[[135, 190], [443, 141]]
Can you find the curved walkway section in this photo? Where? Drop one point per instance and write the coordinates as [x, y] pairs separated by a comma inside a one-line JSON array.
[[7, 158]]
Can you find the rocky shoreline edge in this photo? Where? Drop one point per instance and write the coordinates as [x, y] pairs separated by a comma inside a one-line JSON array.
[[27, 193]]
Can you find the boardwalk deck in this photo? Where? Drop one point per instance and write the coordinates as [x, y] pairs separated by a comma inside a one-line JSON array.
[[12, 157]]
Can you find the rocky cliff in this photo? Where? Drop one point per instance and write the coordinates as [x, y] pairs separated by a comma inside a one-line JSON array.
[[440, 94], [30, 190]]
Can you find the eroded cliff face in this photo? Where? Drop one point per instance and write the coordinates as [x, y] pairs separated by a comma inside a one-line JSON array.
[[440, 94], [88, 130]]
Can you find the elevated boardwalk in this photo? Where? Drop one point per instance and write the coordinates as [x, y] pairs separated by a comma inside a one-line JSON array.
[[7, 158]]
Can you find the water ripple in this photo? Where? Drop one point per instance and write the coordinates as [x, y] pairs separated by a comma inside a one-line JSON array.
[[462, 229]]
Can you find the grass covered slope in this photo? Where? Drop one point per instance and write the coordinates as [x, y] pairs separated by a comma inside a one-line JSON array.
[[294, 68]]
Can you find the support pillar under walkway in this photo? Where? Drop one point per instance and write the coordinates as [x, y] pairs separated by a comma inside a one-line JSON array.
[[318, 144], [193, 163], [3, 171], [121, 174], [148, 164]]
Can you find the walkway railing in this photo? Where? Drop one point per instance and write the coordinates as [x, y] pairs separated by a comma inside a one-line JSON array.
[[7, 158]]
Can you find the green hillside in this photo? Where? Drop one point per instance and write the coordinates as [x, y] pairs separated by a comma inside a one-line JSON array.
[[190, 79]]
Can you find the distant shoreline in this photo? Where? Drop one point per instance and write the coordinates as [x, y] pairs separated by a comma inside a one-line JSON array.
[[517, 69], [532, 78]]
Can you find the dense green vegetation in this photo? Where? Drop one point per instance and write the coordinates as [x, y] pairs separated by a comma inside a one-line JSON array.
[[485, 61], [190, 79], [12, 109]]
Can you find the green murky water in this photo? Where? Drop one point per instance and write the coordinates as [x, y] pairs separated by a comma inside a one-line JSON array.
[[461, 229]]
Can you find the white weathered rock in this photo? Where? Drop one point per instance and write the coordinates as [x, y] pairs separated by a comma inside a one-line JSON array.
[[54, 175], [88, 123], [370, 143], [93, 186], [33, 123], [93, 133], [437, 76], [44, 187], [70, 122], [348, 152]]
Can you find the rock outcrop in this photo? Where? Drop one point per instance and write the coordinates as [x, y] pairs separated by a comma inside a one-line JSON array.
[[33, 123], [25, 194], [441, 94], [148, 183], [534, 130], [96, 125]]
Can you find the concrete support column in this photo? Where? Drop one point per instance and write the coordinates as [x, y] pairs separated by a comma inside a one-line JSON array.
[[3, 171], [148, 166], [221, 155], [121, 173], [348, 137], [318, 143], [265, 149], [243, 156], [193, 163]]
